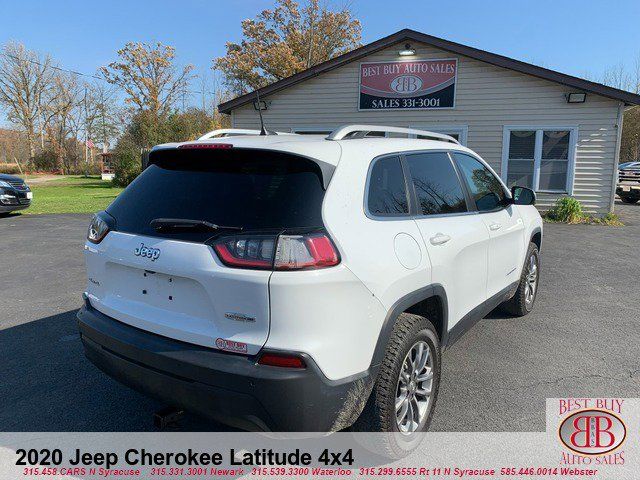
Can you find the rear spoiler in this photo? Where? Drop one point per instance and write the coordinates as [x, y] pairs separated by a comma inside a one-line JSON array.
[[326, 169]]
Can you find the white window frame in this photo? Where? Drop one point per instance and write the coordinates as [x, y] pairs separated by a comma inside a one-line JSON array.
[[461, 130], [537, 155]]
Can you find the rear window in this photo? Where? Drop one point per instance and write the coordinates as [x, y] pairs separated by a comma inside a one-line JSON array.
[[253, 189], [387, 195]]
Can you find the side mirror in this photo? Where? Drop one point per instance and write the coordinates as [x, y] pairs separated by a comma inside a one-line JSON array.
[[523, 196]]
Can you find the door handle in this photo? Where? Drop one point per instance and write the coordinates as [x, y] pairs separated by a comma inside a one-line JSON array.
[[495, 226], [439, 239]]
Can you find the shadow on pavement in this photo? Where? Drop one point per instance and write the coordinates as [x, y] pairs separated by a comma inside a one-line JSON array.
[[46, 384]]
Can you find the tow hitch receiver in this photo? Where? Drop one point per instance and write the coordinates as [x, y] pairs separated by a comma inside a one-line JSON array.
[[167, 417]]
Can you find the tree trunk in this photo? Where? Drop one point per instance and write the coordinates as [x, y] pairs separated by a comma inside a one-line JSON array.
[[31, 141]]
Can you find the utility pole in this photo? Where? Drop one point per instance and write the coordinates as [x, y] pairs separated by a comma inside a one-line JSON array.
[[86, 136]]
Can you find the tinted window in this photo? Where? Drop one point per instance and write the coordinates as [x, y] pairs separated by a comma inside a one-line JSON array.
[[387, 192], [437, 186], [252, 189], [485, 188]]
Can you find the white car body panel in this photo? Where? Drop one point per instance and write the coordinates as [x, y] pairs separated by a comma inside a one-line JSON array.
[[328, 314], [506, 248], [460, 264], [203, 290], [336, 314]]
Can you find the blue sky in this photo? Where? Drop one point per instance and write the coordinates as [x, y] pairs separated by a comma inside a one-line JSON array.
[[575, 37]]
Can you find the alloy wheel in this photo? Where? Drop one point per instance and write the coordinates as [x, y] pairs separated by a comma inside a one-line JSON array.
[[531, 281], [413, 391]]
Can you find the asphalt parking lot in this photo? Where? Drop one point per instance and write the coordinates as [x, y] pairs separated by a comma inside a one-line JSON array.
[[581, 340]]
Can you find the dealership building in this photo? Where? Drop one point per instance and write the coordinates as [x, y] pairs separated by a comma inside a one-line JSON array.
[[555, 133]]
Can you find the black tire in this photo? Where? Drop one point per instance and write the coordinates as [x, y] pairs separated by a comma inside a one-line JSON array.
[[629, 200], [518, 305], [379, 414]]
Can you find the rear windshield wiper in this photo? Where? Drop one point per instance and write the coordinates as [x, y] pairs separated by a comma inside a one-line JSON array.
[[182, 224]]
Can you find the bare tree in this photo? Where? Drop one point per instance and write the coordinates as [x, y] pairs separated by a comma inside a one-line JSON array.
[[62, 118], [616, 76], [100, 108], [25, 78], [635, 75]]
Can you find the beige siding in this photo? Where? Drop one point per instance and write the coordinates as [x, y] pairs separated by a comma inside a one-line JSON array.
[[487, 99]]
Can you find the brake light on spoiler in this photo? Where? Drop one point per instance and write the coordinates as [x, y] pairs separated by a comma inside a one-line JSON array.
[[283, 252], [206, 145]]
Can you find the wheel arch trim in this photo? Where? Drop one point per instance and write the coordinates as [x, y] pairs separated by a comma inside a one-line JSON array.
[[405, 302], [534, 232]]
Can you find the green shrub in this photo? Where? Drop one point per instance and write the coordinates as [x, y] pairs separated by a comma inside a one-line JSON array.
[[610, 219], [567, 210], [127, 163]]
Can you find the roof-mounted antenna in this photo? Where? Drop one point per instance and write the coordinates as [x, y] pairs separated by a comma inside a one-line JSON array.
[[263, 131]]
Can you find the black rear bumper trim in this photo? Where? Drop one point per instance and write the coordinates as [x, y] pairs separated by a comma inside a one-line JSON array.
[[231, 389]]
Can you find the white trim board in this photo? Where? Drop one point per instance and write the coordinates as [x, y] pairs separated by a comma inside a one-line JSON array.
[[461, 130], [571, 165]]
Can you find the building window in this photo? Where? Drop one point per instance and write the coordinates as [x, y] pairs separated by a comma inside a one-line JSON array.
[[539, 158], [459, 132]]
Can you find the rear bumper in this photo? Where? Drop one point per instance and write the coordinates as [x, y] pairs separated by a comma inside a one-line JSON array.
[[632, 191], [230, 389]]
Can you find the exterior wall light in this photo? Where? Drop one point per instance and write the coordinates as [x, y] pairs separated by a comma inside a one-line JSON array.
[[576, 97], [407, 51], [261, 105]]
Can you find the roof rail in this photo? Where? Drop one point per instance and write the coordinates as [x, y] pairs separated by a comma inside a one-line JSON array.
[[361, 131], [228, 132], [234, 132]]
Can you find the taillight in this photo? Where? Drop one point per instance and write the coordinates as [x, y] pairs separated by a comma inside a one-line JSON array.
[[283, 252], [296, 252], [245, 251], [284, 360], [98, 229]]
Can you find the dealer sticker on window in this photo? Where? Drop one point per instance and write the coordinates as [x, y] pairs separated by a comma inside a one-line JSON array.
[[231, 345]]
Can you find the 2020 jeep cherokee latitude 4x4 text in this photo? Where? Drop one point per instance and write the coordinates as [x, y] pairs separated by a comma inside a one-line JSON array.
[[304, 283]]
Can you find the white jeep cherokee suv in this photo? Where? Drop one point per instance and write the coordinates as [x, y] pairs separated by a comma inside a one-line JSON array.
[[304, 283]]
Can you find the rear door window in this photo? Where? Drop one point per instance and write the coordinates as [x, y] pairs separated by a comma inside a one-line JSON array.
[[436, 184], [387, 195], [252, 189]]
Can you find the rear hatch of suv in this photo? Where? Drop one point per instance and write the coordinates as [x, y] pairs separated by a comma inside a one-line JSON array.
[[155, 273]]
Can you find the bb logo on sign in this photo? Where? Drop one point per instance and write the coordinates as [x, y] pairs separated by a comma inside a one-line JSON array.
[[406, 84], [592, 432]]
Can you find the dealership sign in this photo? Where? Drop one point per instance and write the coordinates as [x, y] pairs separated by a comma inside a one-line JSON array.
[[408, 85]]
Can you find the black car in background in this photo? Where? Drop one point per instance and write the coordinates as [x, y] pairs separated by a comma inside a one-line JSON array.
[[14, 194]]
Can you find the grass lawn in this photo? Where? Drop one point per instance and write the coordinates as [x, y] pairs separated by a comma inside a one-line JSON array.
[[71, 194]]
